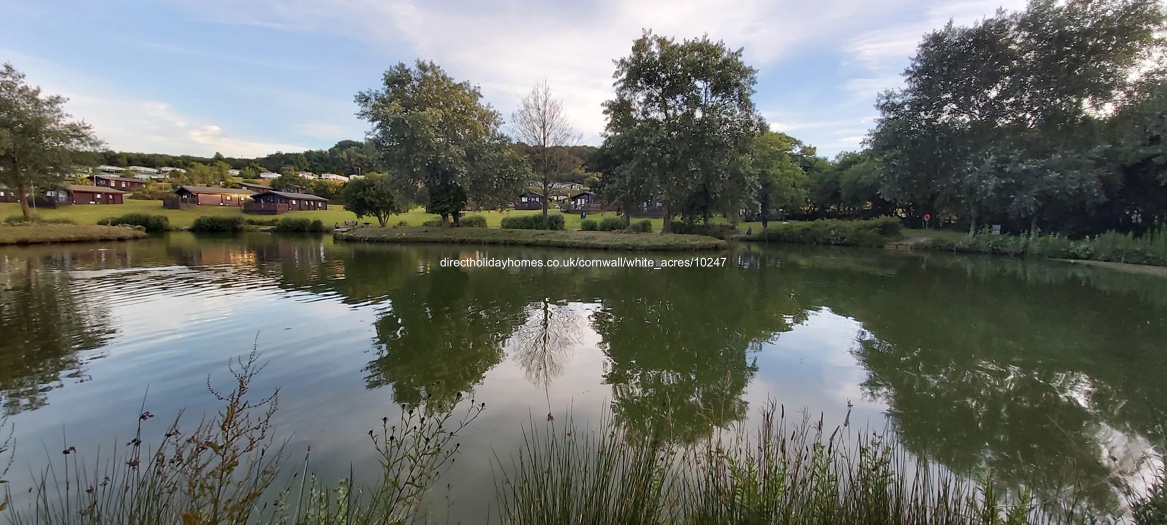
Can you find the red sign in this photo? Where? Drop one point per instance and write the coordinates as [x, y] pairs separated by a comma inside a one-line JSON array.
[[927, 216]]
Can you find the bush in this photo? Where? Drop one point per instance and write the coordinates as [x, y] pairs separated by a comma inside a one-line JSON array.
[[871, 232], [472, 221], [533, 222], [1149, 249], [402, 224], [587, 225], [644, 226], [720, 231], [609, 224], [299, 224], [214, 224], [260, 222], [151, 223], [432, 223]]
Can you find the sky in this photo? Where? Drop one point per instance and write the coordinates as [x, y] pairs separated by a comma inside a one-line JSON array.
[[249, 78]]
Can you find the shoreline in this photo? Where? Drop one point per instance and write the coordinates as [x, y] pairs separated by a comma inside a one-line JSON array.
[[56, 233], [655, 242]]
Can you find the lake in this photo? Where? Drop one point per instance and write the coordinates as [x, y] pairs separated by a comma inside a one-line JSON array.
[[1050, 374]]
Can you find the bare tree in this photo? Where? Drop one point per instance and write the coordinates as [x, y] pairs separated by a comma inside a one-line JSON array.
[[542, 125]]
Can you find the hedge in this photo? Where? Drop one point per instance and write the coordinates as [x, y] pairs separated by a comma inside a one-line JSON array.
[[533, 222], [472, 221], [298, 224], [871, 232], [151, 223], [213, 224]]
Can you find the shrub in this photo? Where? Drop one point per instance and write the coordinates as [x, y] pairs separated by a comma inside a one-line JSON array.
[[402, 224], [644, 226], [214, 224], [720, 231], [432, 223], [588, 225], [261, 222], [19, 219], [871, 232], [1150, 248], [472, 221], [299, 224], [533, 222], [609, 224], [151, 223]]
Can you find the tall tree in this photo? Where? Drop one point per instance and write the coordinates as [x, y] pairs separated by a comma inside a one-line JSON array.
[[371, 195], [687, 110], [541, 123], [781, 181], [437, 133], [40, 144]]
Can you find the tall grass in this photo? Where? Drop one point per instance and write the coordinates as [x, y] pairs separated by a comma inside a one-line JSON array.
[[1150, 248], [789, 472], [220, 470]]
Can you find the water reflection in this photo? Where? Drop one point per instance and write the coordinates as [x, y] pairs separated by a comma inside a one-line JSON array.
[[46, 322], [1048, 374]]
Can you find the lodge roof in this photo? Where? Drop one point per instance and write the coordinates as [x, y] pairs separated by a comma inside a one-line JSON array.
[[209, 190], [91, 189], [111, 177], [305, 196]]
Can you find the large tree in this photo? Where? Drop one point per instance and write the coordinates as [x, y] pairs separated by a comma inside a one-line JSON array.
[[436, 133], [781, 181], [994, 117], [40, 144], [686, 119], [371, 195], [542, 125]]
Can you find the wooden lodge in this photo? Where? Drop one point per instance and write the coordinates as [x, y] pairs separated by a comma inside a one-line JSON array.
[[76, 194], [8, 195], [529, 201], [121, 183], [257, 188], [277, 202], [186, 196], [586, 202]]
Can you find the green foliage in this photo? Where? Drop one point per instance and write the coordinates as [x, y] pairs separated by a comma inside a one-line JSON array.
[[608, 224], [472, 221], [40, 144], [289, 180], [871, 232], [721, 231], [533, 222], [1150, 249], [147, 194], [373, 196], [152, 223], [216, 224], [781, 179], [588, 225], [432, 223], [299, 224], [437, 134], [261, 222], [644, 226], [690, 147]]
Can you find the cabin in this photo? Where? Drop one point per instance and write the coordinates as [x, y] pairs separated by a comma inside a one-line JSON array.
[[251, 186], [78, 194], [121, 183], [8, 195], [186, 196], [277, 202], [586, 201], [529, 201]]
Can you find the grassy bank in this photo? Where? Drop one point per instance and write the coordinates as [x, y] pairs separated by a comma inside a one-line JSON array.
[[1150, 249], [42, 233], [224, 470], [553, 239]]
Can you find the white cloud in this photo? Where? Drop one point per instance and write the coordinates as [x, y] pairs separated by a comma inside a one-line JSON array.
[[323, 130]]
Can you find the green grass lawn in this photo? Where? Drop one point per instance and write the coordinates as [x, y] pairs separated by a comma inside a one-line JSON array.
[[910, 233], [53, 233]]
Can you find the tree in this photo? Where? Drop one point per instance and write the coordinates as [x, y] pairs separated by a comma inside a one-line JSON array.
[[995, 117], [687, 112], [40, 144], [437, 134], [371, 195], [289, 180], [541, 123], [781, 181]]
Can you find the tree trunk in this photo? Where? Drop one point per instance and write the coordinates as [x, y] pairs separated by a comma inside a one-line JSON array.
[[972, 228], [668, 219], [22, 194], [546, 221], [765, 221], [445, 220], [1033, 225], [457, 218]]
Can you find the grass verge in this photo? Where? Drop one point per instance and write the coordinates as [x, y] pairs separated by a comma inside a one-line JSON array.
[[553, 239], [1149, 249], [43, 233]]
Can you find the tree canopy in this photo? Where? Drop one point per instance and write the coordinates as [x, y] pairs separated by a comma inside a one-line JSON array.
[[40, 144], [436, 133], [683, 119], [372, 196]]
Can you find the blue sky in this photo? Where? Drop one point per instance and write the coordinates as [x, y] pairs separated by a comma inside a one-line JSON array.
[[248, 78]]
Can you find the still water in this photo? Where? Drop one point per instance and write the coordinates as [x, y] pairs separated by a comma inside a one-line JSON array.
[[1049, 374]]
